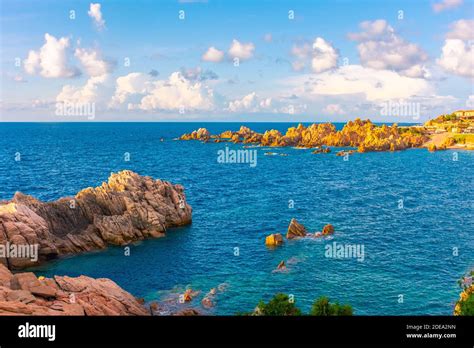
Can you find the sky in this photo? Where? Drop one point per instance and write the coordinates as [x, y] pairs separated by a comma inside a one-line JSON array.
[[191, 60]]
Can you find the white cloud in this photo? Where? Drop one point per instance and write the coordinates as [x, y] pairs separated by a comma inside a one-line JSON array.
[[213, 55], [250, 103], [462, 29], [457, 58], [358, 80], [89, 93], [446, 5], [51, 60], [322, 54], [168, 95], [334, 109], [241, 50], [382, 49], [92, 91], [133, 83], [96, 14], [458, 50], [93, 62]]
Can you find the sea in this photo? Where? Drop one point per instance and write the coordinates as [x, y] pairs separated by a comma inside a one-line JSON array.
[[411, 213]]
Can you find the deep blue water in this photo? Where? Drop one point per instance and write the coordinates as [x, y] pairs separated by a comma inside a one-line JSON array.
[[408, 251]]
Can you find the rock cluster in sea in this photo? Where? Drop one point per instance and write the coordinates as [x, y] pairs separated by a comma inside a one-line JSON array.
[[297, 230], [25, 294], [127, 208], [363, 134]]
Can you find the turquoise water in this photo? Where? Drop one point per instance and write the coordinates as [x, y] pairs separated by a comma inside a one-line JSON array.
[[408, 251]]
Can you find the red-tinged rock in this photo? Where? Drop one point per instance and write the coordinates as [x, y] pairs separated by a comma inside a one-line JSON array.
[[281, 265], [127, 208], [328, 230], [23, 296], [24, 281], [43, 291], [187, 312]]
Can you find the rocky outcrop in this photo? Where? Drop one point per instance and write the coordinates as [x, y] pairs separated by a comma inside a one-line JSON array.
[[24, 294], [363, 134], [274, 239], [295, 230], [327, 230], [127, 208], [200, 134]]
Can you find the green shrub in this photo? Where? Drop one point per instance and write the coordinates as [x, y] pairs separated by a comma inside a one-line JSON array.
[[279, 305], [322, 307]]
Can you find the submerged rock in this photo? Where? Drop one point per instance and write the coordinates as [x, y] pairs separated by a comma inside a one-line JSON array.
[[127, 208], [295, 230], [64, 296]]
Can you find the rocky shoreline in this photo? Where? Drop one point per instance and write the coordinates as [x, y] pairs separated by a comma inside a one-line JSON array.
[[25, 294], [362, 134], [127, 208]]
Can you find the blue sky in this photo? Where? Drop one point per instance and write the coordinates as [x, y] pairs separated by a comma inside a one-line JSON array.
[[332, 60]]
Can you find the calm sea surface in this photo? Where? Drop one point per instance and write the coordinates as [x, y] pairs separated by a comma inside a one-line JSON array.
[[408, 251]]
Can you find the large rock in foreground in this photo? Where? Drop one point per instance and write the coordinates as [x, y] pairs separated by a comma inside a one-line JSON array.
[[24, 294], [127, 208]]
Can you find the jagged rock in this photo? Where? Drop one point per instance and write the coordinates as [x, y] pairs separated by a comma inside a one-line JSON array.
[[127, 208], [295, 230], [364, 135], [69, 296], [43, 291], [327, 230], [274, 239], [200, 134]]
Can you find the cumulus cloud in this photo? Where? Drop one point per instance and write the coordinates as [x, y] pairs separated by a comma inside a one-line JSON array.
[[462, 29], [92, 91], [51, 60], [381, 48], [96, 14], [89, 93], [357, 80], [322, 54], [251, 103], [241, 50], [92, 61], [171, 94], [446, 5], [213, 55], [133, 83], [458, 50], [456, 58]]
